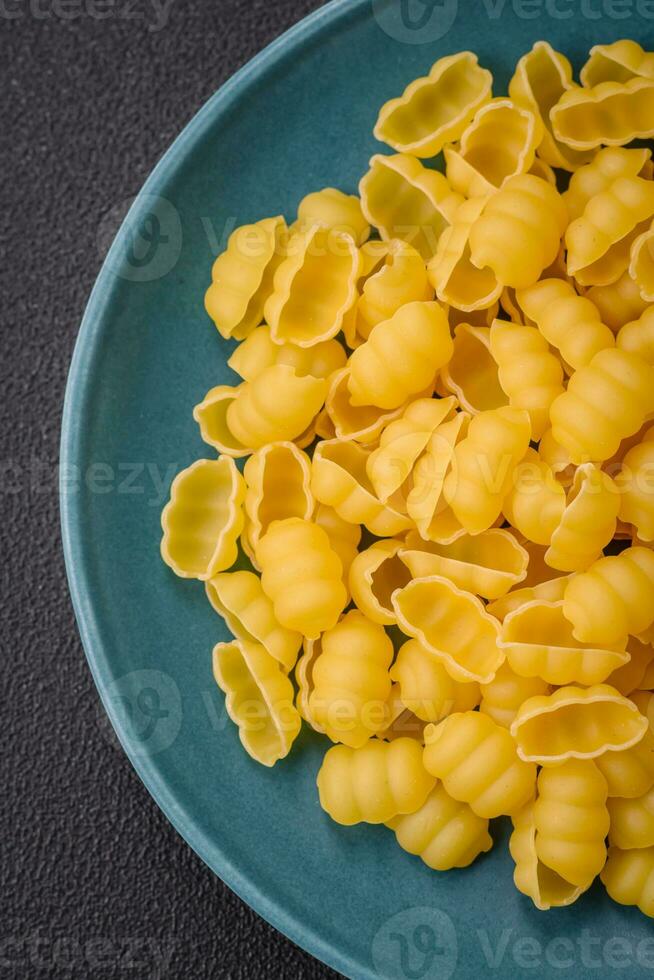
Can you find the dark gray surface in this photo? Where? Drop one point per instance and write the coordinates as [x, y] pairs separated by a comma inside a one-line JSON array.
[[94, 882]]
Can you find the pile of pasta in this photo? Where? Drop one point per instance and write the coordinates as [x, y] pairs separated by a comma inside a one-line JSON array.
[[447, 500]]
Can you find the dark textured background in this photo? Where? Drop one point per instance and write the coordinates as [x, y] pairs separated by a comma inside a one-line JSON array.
[[93, 882]]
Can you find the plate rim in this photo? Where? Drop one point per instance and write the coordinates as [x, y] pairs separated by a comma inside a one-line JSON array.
[[77, 393]]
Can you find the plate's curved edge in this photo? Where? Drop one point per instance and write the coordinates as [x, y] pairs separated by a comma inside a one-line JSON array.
[[75, 395]]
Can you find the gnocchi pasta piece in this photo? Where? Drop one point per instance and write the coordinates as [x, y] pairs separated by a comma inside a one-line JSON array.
[[343, 536], [471, 373], [425, 686], [614, 598], [456, 279], [333, 210], [203, 519], [544, 886], [629, 774], [608, 114], [242, 277], [551, 590], [576, 723], [259, 699], [302, 575], [375, 574], [632, 821], [598, 175], [502, 697], [375, 782], [452, 625], [434, 110], [476, 761], [278, 480], [444, 833], [278, 406], [361, 423], [311, 650], [259, 352], [641, 263], [618, 303], [617, 62], [377, 376], [211, 416], [425, 503], [629, 678], [588, 522], [535, 503], [636, 483], [628, 877]]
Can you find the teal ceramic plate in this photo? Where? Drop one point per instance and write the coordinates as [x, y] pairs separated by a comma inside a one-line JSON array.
[[297, 118]]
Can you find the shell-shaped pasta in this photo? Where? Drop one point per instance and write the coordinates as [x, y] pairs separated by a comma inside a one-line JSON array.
[[361, 423], [551, 590], [538, 642], [598, 175], [502, 697], [242, 277], [629, 678], [615, 597], [541, 77], [377, 376], [211, 416], [399, 278], [444, 833], [451, 272], [343, 536], [425, 503], [629, 774], [278, 478], [636, 484], [259, 352], [248, 612], [628, 877], [475, 318], [588, 523], [608, 114], [335, 211], [618, 303], [617, 62], [402, 722], [434, 110], [402, 443], [576, 723], [339, 479], [472, 374], [452, 625], [599, 242], [311, 650], [374, 783], [541, 884], [567, 321], [426, 687], [499, 143], [302, 575], [641, 263], [605, 402], [632, 821], [203, 519], [405, 200], [478, 764], [314, 287], [483, 466], [351, 684], [535, 502], [277, 406], [556, 457], [572, 821], [637, 336], [518, 233], [486, 564], [259, 699], [530, 375], [374, 576]]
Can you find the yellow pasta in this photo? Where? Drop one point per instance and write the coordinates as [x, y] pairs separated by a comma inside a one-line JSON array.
[[535, 502], [452, 625], [203, 519], [617, 62], [576, 723], [605, 402], [314, 287], [541, 77], [211, 416], [425, 503], [435, 110], [373, 783], [335, 211], [632, 821], [572, 820], [615, 597], [618, 303], [550, 590], [608, 114], [483, 466], [302, 575], [629, 774], [374, 575], [628, 877], [377, 376], [600, 240], [641, 263], [351, 683], [629, 678], [259, 352], [529, 374], [588, 522], [242, 277], [451, 271], [360, 423], [636, 483], [567, 321], [278, 479], [472, 373], [311, 650], [538, 642], [277, 406], [343, 536], [444, 833], [402, 723], [425, 686], [541, 884], [598, 175], [405, 200], [248, 612], [488, 564], [502, 697], [259, 699], [637, 336], [478, 764]]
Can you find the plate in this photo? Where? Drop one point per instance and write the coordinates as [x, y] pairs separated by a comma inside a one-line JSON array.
[[297, 118]]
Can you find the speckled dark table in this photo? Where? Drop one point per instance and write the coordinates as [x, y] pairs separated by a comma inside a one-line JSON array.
[[94, 883]]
